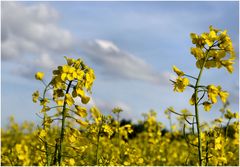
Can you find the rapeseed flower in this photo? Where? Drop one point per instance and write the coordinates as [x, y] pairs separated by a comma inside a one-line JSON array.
[[192, 100], [42, 133], [222, 94], [39, 75], [69, 99], [82, 123], [81, 111], [71, 162], [180, 84], [85, 99], [35, 96], [177, 71], [212, 93], [207, 106]]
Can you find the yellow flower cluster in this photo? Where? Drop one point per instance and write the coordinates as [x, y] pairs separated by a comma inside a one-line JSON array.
[[213, 49], [181, 82], [74, 70], [35, 96], [75, 74], [214, 92]]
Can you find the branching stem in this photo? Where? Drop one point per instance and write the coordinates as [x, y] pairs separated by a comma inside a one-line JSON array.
[[63, 126], [196, 101]]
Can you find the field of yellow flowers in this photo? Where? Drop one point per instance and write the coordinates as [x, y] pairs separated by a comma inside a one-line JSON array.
[[72, 135]]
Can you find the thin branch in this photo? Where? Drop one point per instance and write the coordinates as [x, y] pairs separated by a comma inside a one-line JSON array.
[[201, 97], [190, 123], [190, 76], [44, 83], [193, 127], [180, 114], [39, 115]]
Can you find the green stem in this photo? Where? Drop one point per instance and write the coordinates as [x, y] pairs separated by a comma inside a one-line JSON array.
[[196, 109], [118, 127], [170, 121], [190, 76], [98, 139], [44, 117], [207, 153], [63, 127], [226, 132], [193, 126]]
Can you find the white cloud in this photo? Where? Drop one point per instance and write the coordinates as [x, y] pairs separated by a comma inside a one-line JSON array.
[[107, 45], [32, 29], [44, 61], [120, 64], [31, 36]]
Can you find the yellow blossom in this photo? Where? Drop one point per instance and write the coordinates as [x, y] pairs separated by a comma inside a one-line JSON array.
[[44, 101], [108, 130], [71, 162], [198, 40], [140, 160], [69, 99], [80, 74], [68, 72], [90, 77], [197, 52], [81, 111], [39, 75], [180, 84], [223, 95], [45, 108], [212, 93], [82, 123], [77, 63], [218, 143], [72, 138], [35, 96], [228, 64], [85, 99], [42, 133], [95, 112], [192, 100], [209, 37], [177, 71], [229, 114], [80, 91], [70, 61], [207, 106]]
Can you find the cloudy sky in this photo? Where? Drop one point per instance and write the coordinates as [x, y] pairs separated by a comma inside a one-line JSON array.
[[130, 45]]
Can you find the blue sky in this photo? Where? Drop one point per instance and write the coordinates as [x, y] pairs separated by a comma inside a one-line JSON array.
[[130, 45]]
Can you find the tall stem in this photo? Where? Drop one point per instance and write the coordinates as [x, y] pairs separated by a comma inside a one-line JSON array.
[[170, 121], [226, 131], [118, 127], [44, 118], [98, 139], [196, 110], [63, 127]]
